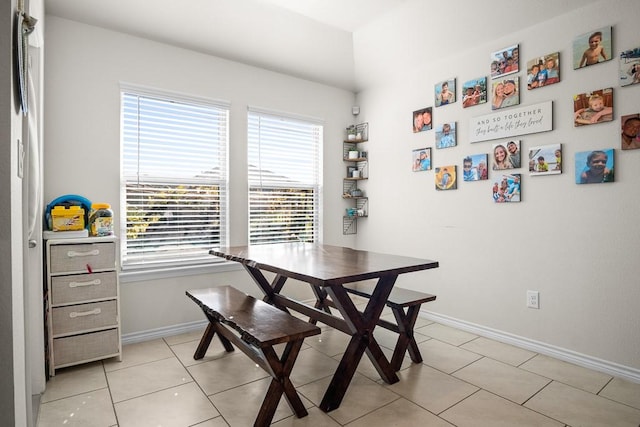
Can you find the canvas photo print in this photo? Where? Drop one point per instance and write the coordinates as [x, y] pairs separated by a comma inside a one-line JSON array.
[[507, 189], [592, 48], [593, 107], [506, 155], [446, 178], [594, 167], [445, 92], [543, 71], [474, 92], [474, 168], [505, 93], [421, 159], [629, 64], [630, 136], [446, 135], [505, 61], [421, 120], [545, 160]]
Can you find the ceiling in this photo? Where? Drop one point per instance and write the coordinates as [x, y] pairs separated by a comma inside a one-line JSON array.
[[317, 40]]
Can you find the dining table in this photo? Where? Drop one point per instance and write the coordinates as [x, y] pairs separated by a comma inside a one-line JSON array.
[[327, 269]]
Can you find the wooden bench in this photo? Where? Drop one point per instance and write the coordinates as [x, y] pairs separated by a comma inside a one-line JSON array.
[[398, 300], [255, 327]]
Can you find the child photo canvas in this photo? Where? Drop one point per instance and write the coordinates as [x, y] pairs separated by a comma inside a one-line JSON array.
[[593, 107], [446, 178], [474, 92], [505, 93], [507, 189], [421, 159], [545, 160], [629, 65], [505, 61], [630, 135], [446, 135], [543, 71], [421, 120], [445, 92], [474, 168], [595, 167], [592, 48]]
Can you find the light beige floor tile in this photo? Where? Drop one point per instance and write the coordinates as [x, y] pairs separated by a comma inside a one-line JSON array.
[[226, 373], [93, 409], [484, 409], [446, 333], [185, 337], [184, 405], [623, 391], [312, 365], [499, 351], [573, 375], [430, 388], [400, 413], [239, 406], [148, 378], [388, 339], [74, 380], [362, 397], [366, 367], [504, 380], [445, 357], [139, 353], [216, 422], [580, 408], [184, 351], [316, 418], [330, 342]]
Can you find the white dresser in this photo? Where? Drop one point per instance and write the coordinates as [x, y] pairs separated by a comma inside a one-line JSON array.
[[82, 301]]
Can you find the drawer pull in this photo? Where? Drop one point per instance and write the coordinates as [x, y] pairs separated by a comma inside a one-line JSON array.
[[89, 283], [75, 314], [73, 254]]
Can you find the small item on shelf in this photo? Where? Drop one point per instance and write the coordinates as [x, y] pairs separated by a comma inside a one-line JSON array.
[[101, 219], [67, 218], [352, 212], [356, 193], [354, 154], [355, 174], [351, 133]]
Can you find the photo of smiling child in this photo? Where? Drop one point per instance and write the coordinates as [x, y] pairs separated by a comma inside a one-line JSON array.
[[594, 167], [592, 48], [593, 107]]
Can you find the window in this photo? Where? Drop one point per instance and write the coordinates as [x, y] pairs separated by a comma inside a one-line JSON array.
[[174, 179], [284, 170]]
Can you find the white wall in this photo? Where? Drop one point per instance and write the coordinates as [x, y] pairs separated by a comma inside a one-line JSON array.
[[576, 244], [83, 68]]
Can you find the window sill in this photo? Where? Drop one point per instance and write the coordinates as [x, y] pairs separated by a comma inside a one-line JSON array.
[[131, 276]]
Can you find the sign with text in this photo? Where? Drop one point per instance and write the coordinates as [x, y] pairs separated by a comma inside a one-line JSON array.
[[513, 122]]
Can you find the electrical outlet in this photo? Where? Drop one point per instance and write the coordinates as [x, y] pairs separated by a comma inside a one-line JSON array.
[[533, 299]]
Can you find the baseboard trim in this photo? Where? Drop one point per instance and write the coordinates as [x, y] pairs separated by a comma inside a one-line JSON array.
[[560, 353], [167, 331]]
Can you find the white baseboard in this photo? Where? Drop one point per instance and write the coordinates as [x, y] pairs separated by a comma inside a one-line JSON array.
[[570, 356], [167, 331], [611, 368]]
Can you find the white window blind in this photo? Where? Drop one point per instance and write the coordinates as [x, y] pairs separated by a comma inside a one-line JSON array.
[[284, 170], [174, 179]]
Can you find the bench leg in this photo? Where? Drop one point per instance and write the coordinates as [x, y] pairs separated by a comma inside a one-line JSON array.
[[205, 341], [406, 340], [280, 369]]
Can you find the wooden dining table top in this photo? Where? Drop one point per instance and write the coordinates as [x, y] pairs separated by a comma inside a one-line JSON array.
[[322, 265]]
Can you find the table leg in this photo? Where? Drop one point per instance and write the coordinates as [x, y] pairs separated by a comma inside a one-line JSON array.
[[362, 326]]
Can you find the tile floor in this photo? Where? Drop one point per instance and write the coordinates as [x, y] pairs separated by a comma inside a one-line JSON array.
[[465, 380]]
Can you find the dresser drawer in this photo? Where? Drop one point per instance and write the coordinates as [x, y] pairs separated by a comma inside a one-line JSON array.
[[82, 257], [81, 348], [84, 317], [83, 287]]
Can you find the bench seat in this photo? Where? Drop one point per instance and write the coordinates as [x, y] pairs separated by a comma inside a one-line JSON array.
[[399, 300], [255, 327]]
